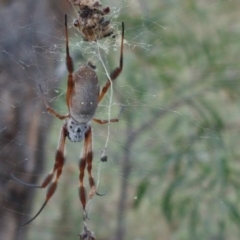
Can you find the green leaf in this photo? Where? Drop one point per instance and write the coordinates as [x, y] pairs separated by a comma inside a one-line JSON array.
[[233, 212], [141, 191], [167, 203]]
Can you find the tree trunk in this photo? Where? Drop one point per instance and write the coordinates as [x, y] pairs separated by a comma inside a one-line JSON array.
[[126, 171], [131, 137], [123, 198], [27, 32]]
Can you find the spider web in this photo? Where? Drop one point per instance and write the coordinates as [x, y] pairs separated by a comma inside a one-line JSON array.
[[175, 149]]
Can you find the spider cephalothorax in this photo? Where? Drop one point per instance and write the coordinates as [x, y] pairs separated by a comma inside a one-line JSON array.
[[91, 20], [76, 131], [82, 100]]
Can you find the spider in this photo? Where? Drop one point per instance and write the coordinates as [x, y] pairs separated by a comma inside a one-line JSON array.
[[91, 21], [82, 98]]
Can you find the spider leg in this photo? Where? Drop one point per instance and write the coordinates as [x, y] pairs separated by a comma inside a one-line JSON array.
[[86, 159], [82, 166], [70, 68], [89, 163], [49, 109], [59, 162], [100, 121], [89, 157], [40, 210], [25, 184], [70, 84], [115, 73]]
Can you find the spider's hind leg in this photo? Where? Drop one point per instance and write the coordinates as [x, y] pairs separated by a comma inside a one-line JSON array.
[[86, 161], [57, 171], [45, 182], [25, 184]]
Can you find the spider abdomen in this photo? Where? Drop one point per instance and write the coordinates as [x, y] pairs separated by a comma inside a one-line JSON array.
[[76, 131], [84, 100]]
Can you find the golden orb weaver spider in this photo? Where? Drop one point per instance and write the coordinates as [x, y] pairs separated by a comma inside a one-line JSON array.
[[82, 98]]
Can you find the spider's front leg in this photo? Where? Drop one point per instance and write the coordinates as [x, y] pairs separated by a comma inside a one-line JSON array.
[[116, 72], [49, 109]]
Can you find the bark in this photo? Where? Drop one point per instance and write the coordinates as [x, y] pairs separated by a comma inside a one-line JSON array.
[[27, 31]]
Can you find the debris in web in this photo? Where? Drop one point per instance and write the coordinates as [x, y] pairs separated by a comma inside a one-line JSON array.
[[83, 3], [87, 233], [91, 20]]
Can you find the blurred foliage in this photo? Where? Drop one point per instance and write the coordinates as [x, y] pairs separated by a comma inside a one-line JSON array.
[[181, 86], [195, 65]]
